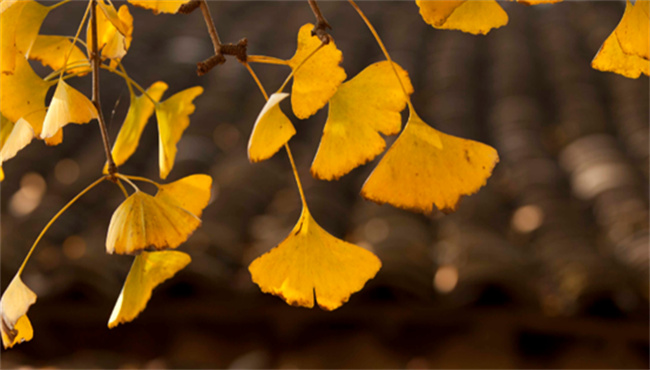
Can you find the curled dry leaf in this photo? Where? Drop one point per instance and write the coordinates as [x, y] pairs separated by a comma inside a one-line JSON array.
[[271, 131], [312, 264], [425, 167], [472, 16], [173, 117], [317, 79], [140, 111], [149, 270], [67, 106], [625, 51], [145, 222], [160, 6], [15, 303], [361, 109]]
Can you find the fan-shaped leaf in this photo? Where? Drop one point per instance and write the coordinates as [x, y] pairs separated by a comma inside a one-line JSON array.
[[51, 51], [15, 303], [68, 106], [271, 131], [160, 6], [472, 16]]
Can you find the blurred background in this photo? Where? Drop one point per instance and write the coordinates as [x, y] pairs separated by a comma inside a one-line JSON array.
[[546, 267]]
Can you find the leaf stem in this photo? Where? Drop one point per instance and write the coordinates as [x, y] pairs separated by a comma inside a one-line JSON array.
[[76, 36], [383, 49], [132, 81], [95, 61], [125, 178], [128, 81], [59, 4], [293, 71], [143, 179], [56, 216], [126, 193], [286, 145], [267, 60]]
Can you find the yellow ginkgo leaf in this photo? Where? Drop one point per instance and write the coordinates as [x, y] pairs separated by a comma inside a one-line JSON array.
[[67, 106], [425, 167], [173, 117], [20, 136], [271, 131], [633, 31], [317, 79], [51, 51], [113, 17], [310, 263], [22, 95], [6, 126], [538, 2], [140, 111], [191, 193], [160, 6], [14, 305], [19, 25], [363, 107], [611, 58], [472, 16], [143, 222], [112, 42], [148, 271]]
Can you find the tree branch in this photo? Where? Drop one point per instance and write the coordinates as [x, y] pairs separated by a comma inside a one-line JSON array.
[[321, 27], [95, 59]]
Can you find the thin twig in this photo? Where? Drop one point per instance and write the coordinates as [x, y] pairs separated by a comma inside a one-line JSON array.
[[95, 59], [321, 27], [188, 8]]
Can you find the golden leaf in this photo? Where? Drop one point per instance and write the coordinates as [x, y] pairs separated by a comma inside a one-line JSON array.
[[160, 6], [140, 111], [15, 303], [271, 131], [148, 271], [538, 2], [114, 18], [112, 41], [611, 58], [633, 31], [19, 25], [472, 16], [317, 79], [67, 106], [51, 51], [173, 118], [143, 222], [425, 167], [23, 95], [363, 107], [20, 136], [312, 263]]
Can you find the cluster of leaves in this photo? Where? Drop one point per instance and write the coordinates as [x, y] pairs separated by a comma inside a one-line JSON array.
[[422, 170], [625, 51]]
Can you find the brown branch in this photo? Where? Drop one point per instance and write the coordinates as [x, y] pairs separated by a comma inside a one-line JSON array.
[[95, 59], [321, 27], [189, 7], [238, 50]]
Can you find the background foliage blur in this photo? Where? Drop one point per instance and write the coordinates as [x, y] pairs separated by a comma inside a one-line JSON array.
[[546, 267]]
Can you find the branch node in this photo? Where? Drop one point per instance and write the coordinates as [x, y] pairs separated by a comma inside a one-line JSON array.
[[238, 50], [206, 65], [321, 27], [189, 7]]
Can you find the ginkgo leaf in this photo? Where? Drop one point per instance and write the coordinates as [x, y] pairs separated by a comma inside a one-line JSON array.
[[148, 271], [51, 51], [6, 126], [15, 303], [472, 16], [20, 136], [23, 95], [271, 131], [317, 79], [143, 222], [113, 17], [425, 167], [19, 25], [173, 118], [633, 31], [611, 58], [160, 6], [363, 107], [112, 41], [140, 111], [67, 106], [310, 263]]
